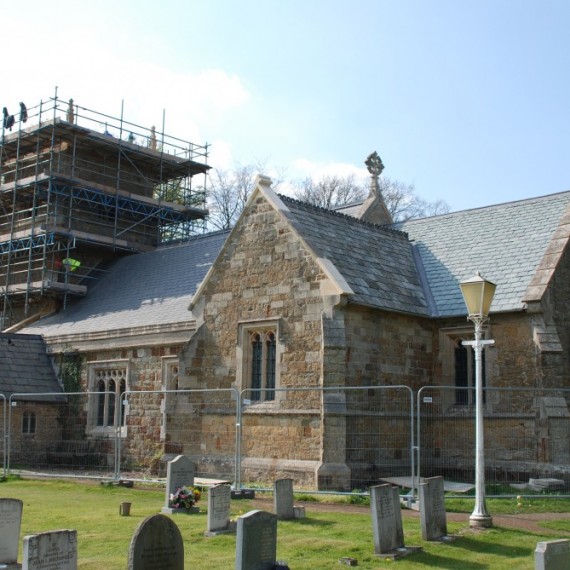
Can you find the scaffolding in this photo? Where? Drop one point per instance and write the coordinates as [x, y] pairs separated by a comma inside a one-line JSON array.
[[78, 189]]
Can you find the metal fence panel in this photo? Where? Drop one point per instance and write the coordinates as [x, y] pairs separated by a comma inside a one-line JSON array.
[[4, 443], [336, 439], [526, 434], [50, 432], [163, 424]]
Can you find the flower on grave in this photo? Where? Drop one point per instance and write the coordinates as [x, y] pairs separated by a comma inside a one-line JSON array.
[[184, 498]]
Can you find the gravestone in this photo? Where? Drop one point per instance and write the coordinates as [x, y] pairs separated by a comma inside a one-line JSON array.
[[156, 545], [552, 555], [219, 510], [10, 523], [54, 550], [179, 473], [283, 499], [432, 509], [387, 523], [256, 541]]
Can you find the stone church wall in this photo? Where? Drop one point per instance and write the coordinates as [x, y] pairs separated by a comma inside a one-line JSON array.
[[265, 276], [143, 444], [383, 350], [29, 445]]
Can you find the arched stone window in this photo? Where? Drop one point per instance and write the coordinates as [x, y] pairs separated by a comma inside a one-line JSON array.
[[258, 363], [262, 374]]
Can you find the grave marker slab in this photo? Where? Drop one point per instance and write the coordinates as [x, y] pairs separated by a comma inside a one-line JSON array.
[[283, 499], [179, 473], [54, 550], [219, 510], [156, 545], [552, 555], [256, 541], [10, 523], [432, 509], [387, 523]]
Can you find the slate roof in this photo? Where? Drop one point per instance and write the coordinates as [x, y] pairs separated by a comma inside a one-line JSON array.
[[505, 243], [376, 262], [139, 290], [384, 268], [26, 368]]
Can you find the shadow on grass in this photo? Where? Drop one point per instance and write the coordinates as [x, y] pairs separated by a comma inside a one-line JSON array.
[[308, 521], [494, 548], [436, 561]]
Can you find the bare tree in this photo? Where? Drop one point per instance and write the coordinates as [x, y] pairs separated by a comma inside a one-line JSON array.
[[330, 191], [400, 198], [404, 204], [229, 191]]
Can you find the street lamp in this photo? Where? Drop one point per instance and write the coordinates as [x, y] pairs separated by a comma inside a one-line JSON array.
[[478, 295]]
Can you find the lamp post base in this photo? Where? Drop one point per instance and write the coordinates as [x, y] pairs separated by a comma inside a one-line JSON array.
[[480, 521]]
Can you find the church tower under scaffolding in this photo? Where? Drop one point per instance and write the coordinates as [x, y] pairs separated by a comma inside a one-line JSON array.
[[79, 189]]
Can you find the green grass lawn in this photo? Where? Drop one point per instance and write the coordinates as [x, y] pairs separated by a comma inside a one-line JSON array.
[[314, 543]]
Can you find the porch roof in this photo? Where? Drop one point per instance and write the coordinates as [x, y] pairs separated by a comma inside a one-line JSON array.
[[376, 261], [25, 368]]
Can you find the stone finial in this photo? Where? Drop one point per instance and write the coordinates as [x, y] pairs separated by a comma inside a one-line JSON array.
[[374, 209], [374, 164], [375, 167], [262, 180]]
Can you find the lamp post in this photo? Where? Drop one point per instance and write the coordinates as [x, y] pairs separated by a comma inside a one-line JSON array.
[[478, 295]]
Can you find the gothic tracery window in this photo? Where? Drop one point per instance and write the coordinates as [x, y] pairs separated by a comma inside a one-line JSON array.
[[260, 363]]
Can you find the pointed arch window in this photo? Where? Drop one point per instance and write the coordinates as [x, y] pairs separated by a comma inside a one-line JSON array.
[[260, 367], [262, 347]]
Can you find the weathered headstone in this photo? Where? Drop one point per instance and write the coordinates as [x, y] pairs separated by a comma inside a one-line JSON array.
[[256, 542], [219, 510], [432, 509], [552, 555], [156, 545], [10, 523], [283, 499], [55, 550], [545, 485], [387, 522], [179, 473]]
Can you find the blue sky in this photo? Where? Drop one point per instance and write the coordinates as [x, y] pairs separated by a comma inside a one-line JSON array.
[[468, 100]]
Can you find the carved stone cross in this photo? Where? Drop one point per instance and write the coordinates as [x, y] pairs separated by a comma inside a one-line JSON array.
[[374, 164]]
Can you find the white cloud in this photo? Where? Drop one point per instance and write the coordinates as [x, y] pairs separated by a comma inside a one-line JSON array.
[[305, 168], [102, 81], [221, 155]]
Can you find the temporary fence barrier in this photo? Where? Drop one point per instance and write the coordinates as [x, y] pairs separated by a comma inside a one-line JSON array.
[[332, 439], [69, 433], [4, 444], [341, 439], [525, 436], [165, 423]]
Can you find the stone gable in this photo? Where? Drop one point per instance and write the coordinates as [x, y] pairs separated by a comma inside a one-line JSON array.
[[263, 274]]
